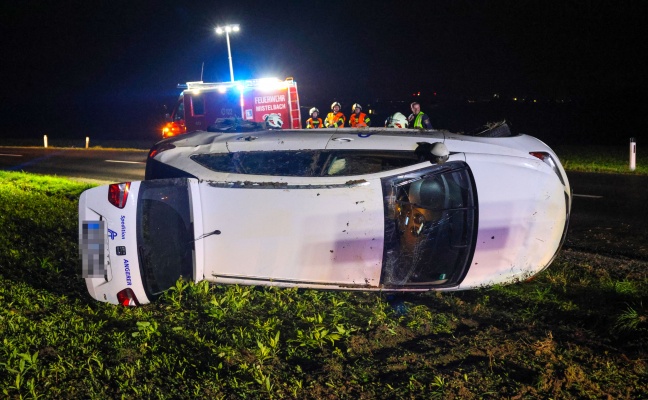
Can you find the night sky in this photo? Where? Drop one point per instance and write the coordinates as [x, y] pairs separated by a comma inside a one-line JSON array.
[[107, 68]]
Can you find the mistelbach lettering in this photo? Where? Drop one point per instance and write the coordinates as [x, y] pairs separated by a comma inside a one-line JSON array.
[[271, 107]]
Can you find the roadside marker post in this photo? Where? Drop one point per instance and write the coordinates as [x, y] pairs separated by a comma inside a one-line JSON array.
[[45, 141], [87, 141], [633, 154]]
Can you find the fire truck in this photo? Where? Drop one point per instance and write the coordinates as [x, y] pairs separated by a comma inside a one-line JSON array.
[[200, 104]]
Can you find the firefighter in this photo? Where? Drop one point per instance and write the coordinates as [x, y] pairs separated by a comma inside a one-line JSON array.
[[335, 119], [418, 119], [314, 122], [358, 119]]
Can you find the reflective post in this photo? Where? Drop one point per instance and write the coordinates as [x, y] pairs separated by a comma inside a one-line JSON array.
[[45, 141], [87, 141], [633, 154]]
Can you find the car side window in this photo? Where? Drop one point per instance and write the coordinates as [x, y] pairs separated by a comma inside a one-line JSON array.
[[308, 163], [278, 163], [354, 162]]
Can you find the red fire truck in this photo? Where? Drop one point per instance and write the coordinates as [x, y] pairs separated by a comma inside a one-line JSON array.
[[200, 104]]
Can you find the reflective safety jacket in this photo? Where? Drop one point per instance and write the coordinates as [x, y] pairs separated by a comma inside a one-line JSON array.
[[359, 120], [419, 121], [334, 120], [314, 123]]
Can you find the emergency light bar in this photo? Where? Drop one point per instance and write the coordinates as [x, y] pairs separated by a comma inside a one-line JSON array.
[[262, 82]]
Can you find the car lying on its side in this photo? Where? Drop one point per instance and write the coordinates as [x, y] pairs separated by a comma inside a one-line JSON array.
[[371, 209]]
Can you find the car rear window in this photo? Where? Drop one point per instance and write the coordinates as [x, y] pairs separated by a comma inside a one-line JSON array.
[[164, 234], [307, 163]]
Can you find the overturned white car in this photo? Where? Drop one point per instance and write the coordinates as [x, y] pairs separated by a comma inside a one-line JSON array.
[[347, 209]]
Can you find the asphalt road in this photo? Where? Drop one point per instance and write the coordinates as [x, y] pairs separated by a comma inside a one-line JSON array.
[[96, 165], [609, 212]]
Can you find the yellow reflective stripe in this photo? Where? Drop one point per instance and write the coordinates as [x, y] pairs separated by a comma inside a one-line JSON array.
[[417, 121], [334, 120]]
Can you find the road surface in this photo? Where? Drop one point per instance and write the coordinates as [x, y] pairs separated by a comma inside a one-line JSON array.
[[96, 165]]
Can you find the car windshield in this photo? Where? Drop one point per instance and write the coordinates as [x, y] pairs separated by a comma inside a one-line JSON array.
[[307, 163], [164, 234], [430, 227]]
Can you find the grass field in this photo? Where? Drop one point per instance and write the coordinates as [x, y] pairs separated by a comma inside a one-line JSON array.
[[580, 330], [601, 159]]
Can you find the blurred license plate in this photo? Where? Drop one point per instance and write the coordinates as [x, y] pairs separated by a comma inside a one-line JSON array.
[[92, 247]]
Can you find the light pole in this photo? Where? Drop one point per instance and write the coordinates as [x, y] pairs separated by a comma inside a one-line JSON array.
[[227, 29]]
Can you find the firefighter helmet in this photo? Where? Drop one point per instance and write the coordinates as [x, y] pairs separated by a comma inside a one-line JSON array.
[[314, 109], [273, 121], [440, 153], [356, 105], [335, 103], [397, 120]]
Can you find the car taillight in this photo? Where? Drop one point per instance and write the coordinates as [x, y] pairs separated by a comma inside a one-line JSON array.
[[548, 159], [127, 298], [539, 154], [160, 148], [118, 194]]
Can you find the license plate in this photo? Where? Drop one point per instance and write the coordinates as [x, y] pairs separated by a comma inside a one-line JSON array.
[[92, 248]]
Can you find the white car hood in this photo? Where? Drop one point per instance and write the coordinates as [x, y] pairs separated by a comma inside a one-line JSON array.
[[517, 224]]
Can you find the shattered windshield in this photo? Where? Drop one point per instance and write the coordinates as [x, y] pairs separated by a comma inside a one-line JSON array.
[[307, 163], [430, 226]]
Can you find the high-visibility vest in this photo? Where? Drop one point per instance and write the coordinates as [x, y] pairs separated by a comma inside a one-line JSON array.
[[335, 120], [314, 123], [417, 120], [359, 120]]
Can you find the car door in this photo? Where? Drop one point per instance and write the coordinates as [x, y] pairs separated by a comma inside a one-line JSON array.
[[310, 235]]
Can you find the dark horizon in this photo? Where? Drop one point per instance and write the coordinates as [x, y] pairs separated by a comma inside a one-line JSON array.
[[108, 69]]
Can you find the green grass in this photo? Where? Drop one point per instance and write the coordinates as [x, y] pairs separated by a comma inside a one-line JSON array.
[[601, 159], [579, 330]]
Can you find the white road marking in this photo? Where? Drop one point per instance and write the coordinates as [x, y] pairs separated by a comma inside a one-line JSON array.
[[11, 155], [125, 162], [589, 196]]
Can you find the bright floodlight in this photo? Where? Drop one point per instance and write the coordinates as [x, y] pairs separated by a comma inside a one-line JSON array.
[[227, 29]]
